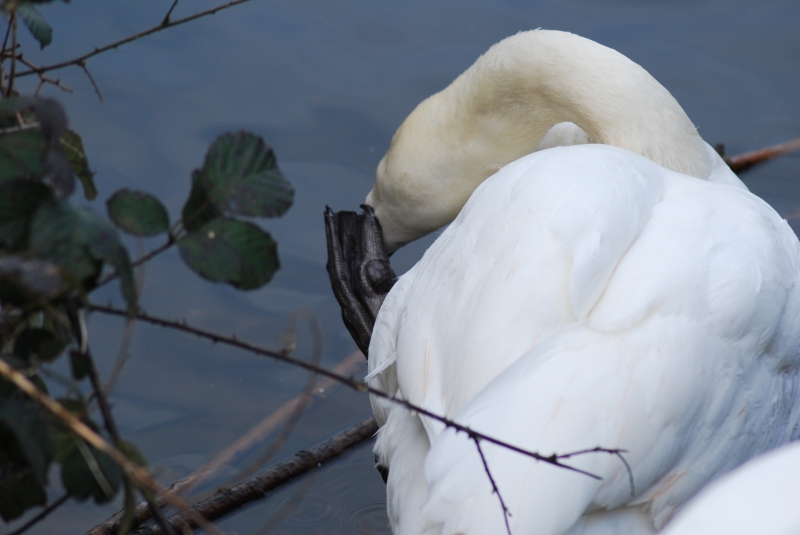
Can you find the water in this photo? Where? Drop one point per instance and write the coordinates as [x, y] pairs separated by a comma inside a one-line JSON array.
[[327, 84]]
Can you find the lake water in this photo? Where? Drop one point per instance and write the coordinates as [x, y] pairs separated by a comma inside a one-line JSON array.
[[326, 84]]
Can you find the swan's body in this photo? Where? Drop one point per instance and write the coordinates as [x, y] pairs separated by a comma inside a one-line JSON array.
[[584, 296], [759, 498]]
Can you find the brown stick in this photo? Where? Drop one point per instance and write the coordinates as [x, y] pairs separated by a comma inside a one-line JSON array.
[[743, 162], [255, 488], [269, 424]]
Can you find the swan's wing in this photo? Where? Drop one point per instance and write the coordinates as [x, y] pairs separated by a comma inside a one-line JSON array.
[[759, 498], [586, 297], [688, 360]]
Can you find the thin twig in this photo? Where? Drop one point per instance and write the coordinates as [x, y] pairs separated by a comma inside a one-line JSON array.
[[255, 488], [495, 490], [137, 473], [42, 514], [743, 162], [146, 258], [127, 333], [358, 386], [11, 75], [83, 66], [129, 39], [165, 22]]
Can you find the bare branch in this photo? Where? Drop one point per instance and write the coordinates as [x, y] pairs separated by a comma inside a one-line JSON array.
[[165, 22], [42, 514], [137, 473], [83, 66], [743, 162], [347, 367], [116, 44], [495, 490], [13, 54], [228, 500], [358, 386]]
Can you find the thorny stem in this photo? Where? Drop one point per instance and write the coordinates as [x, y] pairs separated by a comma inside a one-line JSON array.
[[111, 46], [495, 490], [358, 386]]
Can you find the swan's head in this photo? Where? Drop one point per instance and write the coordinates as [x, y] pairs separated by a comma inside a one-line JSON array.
[[501, 108]]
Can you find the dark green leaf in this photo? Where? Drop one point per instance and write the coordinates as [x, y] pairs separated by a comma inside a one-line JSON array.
[[25, 280], [226, 250], [199, 209], [19, 491], [19, 199], [32, 432], [80, 364], [79, 241], [241, 176], [35, 23], [38, 343], [22, 154], [88, 472], [73, 148], [138, 213]]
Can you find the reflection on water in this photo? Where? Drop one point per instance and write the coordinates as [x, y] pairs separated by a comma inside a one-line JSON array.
[[327, 84]]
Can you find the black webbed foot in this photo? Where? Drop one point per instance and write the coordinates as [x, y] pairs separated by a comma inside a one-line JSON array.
[[359, 269]]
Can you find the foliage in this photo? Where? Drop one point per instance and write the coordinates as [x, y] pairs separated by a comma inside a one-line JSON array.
[[54, 254]]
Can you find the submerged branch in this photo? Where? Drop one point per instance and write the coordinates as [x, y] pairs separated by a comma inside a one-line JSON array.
[[228, 500]]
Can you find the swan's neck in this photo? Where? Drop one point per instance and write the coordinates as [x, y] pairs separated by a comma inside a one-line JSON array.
[[500, 108]]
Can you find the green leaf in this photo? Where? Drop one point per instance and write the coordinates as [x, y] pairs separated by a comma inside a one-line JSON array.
[[35, 23], [226, 250], [19, 199], [38, 343], [199, 209], [138, 213], [19, 491], [241, 176], [32, 432], [79, 241], [22, 154], [88, 472], [73, 148]]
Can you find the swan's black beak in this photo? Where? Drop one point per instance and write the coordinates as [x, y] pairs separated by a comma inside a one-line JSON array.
[[359, 268]]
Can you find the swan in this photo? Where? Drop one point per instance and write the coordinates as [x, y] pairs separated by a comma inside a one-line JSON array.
[[625, 291], [758, 498]]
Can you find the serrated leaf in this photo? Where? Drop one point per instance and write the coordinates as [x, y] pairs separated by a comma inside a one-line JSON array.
[[19, 491], [198, 209], [226, 250], [79, 240], [19, 199], [90, 473], [241, 176], [34, 21], [22, 154], [73, 148], [138, 213], [33, 434]]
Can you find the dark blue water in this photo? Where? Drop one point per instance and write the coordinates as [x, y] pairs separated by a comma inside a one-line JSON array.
[[326, 84]]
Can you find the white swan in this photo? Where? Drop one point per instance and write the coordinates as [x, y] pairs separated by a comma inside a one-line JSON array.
[[629, 293], [759, 498]]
